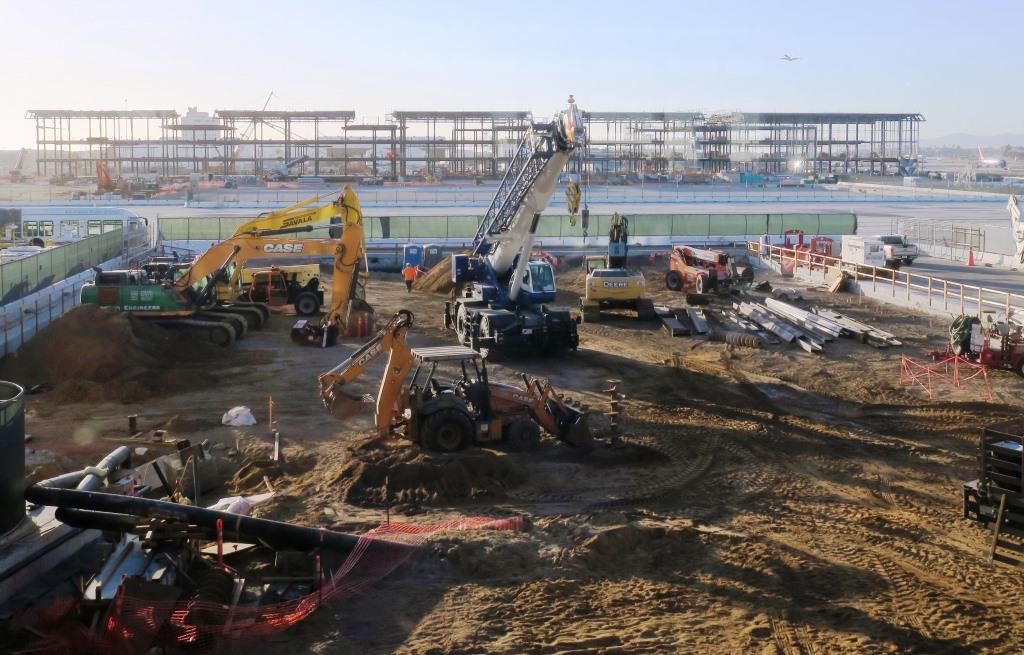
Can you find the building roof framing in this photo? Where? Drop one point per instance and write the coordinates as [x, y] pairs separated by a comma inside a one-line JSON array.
[[462, 143]]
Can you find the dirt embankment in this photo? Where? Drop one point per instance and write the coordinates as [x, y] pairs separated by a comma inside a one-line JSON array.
[[96, 354]]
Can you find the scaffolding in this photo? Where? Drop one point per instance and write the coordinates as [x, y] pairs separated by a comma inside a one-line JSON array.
[[626, 142], [824, 143], [458, 143], [70, 142], [463, 144]]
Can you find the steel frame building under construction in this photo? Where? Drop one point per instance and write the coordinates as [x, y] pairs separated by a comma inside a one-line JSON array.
[[462, 143]]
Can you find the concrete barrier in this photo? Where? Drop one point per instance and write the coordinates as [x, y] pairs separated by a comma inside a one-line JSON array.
[[981, 258]]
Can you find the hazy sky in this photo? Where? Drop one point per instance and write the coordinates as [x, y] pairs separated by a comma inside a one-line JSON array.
[[958, 63]]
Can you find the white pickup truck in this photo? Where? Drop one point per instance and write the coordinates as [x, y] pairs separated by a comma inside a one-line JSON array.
[[897, 250], [887, 251]]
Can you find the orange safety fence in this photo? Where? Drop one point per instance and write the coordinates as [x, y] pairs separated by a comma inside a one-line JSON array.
[[952, 370], [142, 617]]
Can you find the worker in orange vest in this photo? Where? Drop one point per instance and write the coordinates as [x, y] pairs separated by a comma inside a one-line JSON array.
[[409, 273]]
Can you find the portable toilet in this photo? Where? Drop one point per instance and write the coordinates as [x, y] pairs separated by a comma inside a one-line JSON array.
[[432, 255], [412, 255]]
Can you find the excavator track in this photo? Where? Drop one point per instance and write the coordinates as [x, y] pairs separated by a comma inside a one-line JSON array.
[[256, 314], [237, 321], [218, 332]]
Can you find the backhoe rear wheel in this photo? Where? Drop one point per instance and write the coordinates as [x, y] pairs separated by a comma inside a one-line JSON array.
[[447, 431], [673, 281], [522, 435]]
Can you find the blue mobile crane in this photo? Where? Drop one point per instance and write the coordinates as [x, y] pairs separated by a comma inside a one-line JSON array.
[[503, 294]]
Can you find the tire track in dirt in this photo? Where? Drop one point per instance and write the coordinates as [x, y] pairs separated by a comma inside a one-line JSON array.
[[685, 469], [792, 638], [918, 598]]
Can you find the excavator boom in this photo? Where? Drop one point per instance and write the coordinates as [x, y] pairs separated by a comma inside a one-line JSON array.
[[348, 282], [298, 215]]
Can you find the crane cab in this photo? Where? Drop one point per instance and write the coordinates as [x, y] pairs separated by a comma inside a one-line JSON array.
[[538, 285]]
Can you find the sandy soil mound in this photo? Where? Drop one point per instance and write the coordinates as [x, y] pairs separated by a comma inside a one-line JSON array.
[[491, 555], [438, 279], [95, 354], [636, 545], [416, 476]]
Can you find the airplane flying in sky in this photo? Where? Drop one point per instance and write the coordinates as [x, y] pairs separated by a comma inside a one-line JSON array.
[[788, 57]]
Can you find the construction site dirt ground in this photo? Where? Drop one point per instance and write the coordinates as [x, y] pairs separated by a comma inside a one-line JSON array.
[[764, 501]]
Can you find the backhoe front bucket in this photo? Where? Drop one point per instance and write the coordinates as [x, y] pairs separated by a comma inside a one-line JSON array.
[[578, 433], [343, 405]]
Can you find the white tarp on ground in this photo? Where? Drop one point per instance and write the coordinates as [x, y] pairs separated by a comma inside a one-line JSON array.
[[238, 417]]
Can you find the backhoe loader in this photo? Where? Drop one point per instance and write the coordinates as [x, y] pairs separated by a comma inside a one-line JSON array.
[[446, 414]]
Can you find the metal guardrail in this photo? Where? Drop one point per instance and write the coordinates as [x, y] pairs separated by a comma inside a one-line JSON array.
[[939, 233], [954, 297]]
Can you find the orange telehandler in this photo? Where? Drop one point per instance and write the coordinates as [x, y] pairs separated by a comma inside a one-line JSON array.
[[447, 414]]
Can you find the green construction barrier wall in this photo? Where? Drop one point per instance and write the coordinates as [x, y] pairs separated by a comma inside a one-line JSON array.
[[550, 226], [27, 275]]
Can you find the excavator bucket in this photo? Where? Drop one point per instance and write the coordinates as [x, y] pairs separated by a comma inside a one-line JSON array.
[[343, 405]]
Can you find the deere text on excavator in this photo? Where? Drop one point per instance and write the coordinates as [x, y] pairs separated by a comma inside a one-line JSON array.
[[610, 284], [446, 414]]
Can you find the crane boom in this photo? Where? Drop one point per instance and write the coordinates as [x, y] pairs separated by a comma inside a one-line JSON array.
[[527, 187]]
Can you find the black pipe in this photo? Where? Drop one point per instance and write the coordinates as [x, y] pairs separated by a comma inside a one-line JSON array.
[[64, 480], [87, 520], [246, 529]]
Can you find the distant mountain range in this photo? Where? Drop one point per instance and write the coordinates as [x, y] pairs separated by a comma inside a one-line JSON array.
[[974, 140]]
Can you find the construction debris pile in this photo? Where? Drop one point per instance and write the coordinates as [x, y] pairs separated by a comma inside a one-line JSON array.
[[99, 354], [180, 576]]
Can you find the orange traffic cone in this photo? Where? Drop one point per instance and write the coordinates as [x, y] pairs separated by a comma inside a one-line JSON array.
[[970, 256]]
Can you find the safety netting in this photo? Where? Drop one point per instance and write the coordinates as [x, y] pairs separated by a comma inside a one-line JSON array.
[[147, 615]]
